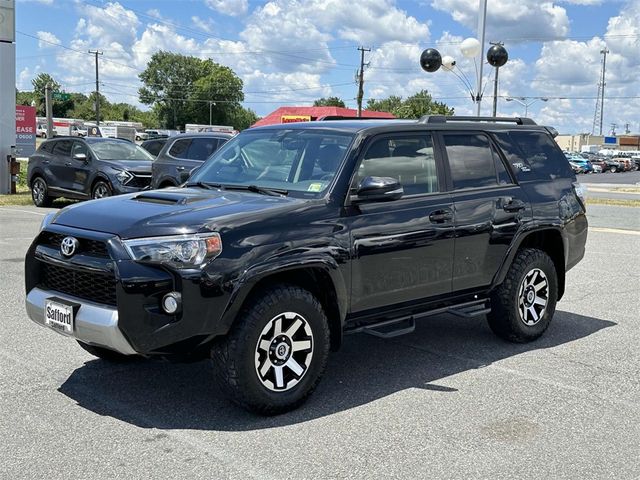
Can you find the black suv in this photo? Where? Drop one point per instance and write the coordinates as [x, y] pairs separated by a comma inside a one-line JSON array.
[[183, 153], [83, 168], [292, 236]]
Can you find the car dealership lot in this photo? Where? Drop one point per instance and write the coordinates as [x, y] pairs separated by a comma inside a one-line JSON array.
[[448, 401]]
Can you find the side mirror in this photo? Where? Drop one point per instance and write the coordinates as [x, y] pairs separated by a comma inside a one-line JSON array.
[[378, 189], [81, 157]]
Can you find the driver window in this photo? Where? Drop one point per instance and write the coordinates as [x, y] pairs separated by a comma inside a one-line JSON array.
[[409, 159], [79, 147]]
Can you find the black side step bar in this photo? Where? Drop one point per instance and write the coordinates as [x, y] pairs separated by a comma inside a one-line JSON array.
[[407, 324]]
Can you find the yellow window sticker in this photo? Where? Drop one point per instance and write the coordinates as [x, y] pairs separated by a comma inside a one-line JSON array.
[[315, 187]]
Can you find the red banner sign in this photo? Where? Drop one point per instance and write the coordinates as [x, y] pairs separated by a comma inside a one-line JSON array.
[[25, 130]]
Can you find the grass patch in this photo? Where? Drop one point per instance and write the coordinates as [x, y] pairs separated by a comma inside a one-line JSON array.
[[613, 202]]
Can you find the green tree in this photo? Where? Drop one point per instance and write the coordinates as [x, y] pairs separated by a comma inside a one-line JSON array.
[[179, 89], [215, 97], [329, 102], [415, 106], [243, 118]]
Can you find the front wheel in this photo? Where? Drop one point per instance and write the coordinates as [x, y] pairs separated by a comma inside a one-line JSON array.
[[523, 305], [40, 193], [101, 190], [275, 354]]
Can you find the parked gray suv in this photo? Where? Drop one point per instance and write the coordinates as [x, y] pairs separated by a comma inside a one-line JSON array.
[[83, 168], [181, 154]]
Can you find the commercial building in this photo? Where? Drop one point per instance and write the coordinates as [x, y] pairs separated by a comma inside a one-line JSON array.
[[308, 114], [582, 142]]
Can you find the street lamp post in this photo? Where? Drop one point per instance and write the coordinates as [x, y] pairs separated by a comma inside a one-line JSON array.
[[523, 101]]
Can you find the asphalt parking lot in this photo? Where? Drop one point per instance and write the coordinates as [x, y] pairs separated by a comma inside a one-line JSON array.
[[448, 401]]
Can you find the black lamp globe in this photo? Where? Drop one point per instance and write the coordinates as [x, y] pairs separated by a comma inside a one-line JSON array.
[[430, 60], [497, 56]]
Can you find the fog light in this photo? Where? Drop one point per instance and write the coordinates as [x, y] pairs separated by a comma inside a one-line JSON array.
[[171, 302]]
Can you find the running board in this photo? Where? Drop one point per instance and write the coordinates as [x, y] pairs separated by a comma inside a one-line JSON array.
[[407, 324]]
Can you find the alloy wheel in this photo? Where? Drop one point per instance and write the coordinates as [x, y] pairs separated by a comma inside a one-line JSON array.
[[101, 191], [284, 351], [533, 297], [38, 191]]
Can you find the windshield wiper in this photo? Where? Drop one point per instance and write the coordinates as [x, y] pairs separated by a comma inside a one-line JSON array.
[[274, 192], [205, 185]]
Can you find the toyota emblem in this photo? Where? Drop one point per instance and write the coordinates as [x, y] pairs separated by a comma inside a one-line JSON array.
[[68, 246]]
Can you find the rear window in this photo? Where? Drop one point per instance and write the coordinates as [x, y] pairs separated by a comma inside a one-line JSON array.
[[46, 147], [62, 148], [179, 148], [533, 155]]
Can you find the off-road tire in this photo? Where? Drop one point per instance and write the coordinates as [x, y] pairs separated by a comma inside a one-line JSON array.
[[43, 200], [505, 318], [234, 356], [106, 354]]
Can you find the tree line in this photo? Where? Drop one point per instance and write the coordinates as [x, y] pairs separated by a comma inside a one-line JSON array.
[[181, 89]]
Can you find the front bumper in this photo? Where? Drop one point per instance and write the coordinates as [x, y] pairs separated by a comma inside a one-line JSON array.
[[94, 324]]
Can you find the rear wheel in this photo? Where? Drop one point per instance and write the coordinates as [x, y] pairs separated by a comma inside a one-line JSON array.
[[106, 354], [101, 190], [40, 193], [276, 353], [523, 305]]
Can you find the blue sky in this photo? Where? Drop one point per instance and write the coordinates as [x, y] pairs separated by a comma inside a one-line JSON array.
[[291, 52]]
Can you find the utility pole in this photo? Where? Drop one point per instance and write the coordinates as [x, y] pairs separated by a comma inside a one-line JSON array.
[[361, 78], [48, 108], [495, 84], [604, 52], [96, 53]]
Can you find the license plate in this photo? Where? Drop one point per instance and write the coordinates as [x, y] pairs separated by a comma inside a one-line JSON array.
[[58, 316]]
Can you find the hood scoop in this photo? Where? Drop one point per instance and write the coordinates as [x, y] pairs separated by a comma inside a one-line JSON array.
[[168, 197]]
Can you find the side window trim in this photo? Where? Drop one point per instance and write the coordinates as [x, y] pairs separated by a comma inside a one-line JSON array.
[[441, 179]]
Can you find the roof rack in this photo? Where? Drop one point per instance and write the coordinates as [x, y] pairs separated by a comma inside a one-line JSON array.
[[447, 118]]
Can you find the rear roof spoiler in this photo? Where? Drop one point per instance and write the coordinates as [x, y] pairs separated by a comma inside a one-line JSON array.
[[435, 119]]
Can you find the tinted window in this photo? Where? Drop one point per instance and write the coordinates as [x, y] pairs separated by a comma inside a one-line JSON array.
[[179, 148], [470, 160], [408, 159], [154, 147], [201, 148], [47, 147], [533, 155], [62, 148]]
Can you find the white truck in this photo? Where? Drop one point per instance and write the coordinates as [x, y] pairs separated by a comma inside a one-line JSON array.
[[116, 131]]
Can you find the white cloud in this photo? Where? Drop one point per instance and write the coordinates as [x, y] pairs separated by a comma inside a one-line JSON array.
[[511, 19], [47, 40], [229, 7], [113, 23], [201, 23]]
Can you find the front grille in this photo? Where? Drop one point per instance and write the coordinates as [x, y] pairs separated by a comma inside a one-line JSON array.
[[139, 180], [96, 287], [87, 247]]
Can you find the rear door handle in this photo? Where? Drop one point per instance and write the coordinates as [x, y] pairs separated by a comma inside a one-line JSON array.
[[179, 169], [441, 216], [67, 164], [512, 205]]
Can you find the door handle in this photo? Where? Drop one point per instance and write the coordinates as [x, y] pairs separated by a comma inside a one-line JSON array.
[[46, 162], [441, 216], [179, 169], [512, 205], [67, 164]]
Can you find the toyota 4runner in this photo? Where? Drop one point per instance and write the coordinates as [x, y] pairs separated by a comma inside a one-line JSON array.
[[291, 236]]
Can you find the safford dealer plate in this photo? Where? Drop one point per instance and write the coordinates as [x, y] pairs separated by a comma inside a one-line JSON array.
[[58, 315]]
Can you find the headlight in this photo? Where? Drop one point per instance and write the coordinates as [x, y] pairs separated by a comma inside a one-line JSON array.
[[180, 251], [48, 218], [123, 176]]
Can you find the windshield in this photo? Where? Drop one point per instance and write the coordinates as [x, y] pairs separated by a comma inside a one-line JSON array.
[[116, 150], [303, 161]]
